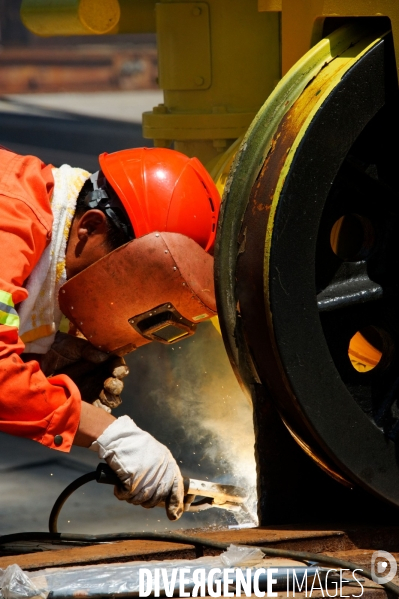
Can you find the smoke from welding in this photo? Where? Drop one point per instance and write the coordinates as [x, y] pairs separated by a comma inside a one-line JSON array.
[[187, 396]]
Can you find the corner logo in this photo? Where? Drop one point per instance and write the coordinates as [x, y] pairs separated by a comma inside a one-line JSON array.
[[383, 570]]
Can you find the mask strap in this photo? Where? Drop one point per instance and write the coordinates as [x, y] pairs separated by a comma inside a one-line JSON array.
[[99, 198]]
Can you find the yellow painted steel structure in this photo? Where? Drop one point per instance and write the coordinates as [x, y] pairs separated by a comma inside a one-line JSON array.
[[302, 21], [219, 60]]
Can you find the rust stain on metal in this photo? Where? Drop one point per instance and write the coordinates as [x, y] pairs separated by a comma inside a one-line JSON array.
[[250, 265], [104, 553], [242, 241]]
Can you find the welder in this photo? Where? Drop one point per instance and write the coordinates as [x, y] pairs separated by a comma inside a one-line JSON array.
[[125, 254]]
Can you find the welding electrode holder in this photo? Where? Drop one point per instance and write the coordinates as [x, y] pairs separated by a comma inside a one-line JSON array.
[[226, 497], [106, 476]]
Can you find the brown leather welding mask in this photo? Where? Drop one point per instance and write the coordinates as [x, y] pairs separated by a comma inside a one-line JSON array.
[[154, 288]]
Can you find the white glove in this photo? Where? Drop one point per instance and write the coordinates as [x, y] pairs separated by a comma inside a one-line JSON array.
[[146, 468]]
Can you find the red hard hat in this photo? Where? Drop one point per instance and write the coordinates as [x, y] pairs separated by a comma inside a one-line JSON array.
[[164, 190]]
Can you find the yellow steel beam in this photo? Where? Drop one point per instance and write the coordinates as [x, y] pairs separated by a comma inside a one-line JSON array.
[[218, 62]]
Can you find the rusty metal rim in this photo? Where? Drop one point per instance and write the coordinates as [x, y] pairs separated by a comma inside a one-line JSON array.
[[318, 389], [244, 171], [256, 320], [245, 168]]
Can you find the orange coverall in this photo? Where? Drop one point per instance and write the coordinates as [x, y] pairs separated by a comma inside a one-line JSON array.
[[31, 405]]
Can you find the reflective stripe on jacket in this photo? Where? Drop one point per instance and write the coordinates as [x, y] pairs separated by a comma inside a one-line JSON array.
[[31, 405], [8, 314]]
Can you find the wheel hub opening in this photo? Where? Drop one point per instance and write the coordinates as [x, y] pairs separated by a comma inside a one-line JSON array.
[[370, 348], [352, 237]]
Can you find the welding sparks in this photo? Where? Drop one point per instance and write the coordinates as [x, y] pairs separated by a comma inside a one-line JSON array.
[[202, 415]]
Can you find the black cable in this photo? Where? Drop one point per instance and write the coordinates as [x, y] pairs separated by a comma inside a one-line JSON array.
[[55, 512], [103, 474], [189, 540]]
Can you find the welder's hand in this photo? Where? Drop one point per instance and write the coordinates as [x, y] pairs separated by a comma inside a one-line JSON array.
[[146, 468], [98, 375]]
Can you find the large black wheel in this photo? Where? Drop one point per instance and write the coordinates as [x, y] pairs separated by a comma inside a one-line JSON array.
[[307, 260]]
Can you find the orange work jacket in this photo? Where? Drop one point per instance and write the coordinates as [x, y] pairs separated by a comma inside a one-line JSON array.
[[31, 405]]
